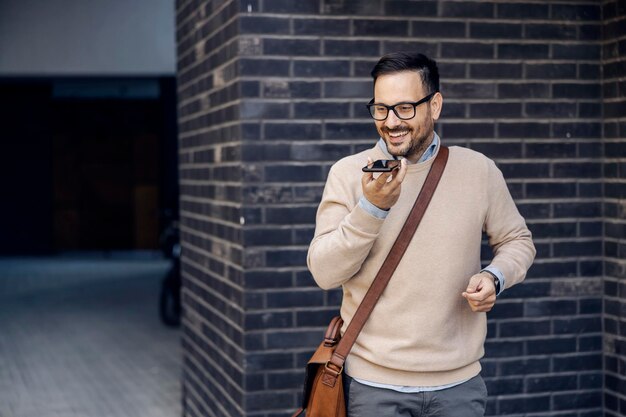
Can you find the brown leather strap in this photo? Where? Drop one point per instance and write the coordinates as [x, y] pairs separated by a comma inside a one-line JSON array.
[[391, 262]]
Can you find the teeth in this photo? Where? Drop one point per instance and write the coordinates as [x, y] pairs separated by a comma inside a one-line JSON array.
[[398, 134]]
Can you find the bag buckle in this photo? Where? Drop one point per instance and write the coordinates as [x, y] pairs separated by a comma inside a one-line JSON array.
[[333, 369], [331, 374]]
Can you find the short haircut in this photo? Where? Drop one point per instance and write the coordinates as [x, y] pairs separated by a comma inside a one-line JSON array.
[[409, 61]]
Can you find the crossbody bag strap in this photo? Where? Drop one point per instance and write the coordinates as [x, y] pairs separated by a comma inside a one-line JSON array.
[[335, 365]]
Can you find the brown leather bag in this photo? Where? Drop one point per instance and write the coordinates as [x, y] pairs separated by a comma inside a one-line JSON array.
[[323, 384]]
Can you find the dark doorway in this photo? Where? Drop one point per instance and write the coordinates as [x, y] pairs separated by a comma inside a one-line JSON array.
[[88, 164]]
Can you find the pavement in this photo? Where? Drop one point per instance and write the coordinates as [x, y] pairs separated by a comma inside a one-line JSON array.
[[80, 336]]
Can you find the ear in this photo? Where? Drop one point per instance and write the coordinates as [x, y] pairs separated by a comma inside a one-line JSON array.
[[436, 103]]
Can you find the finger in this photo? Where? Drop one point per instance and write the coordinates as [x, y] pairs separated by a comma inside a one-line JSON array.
[[401, 172], [475, 297], [475, 284], [367, 176], [383, 178]]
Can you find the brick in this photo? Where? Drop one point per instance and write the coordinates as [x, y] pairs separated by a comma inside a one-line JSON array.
[[571, 90], [348, 89], [578, 325], [322, 27], [410, 8], [550, 71], [263, 110], [466, 9], [263, 25], [550, 31], [576, 51], [439, 29], [291, 47], [524, 170], [523, 90], [461, 50], [342, 7], [498, 150], [591, 248], [523, 130], [468, 90], [577, 209], [504, 310], [428, 49], [523, 51], [550, 109], [351, 130], [552, 346], [532, 404], [453, 110], [549, 189], [549, 308], [570, 12], [468, 130], [589, 71], [295, 173], [326, 68], [577, 402], [351, 48], [292, 131], [577, 170], [552, 383], [524, 328], [315, 152], [522, 10], [577, 130], [324, 110], [495, 71], [263, 67], [525, 366], [380, 28], [498, 349], [262, 237], [287, 257], [483, 30], [291, 7]]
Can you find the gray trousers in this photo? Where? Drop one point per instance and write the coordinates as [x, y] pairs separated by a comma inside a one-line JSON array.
[[465, 400]]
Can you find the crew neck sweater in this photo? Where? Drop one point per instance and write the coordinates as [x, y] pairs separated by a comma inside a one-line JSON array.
[[421, 332]]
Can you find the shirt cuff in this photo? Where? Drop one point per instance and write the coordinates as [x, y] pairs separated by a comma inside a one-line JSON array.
[[496, 272], [372, 209]]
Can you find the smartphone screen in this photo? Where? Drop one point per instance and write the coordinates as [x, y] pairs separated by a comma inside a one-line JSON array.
[[382, 165]]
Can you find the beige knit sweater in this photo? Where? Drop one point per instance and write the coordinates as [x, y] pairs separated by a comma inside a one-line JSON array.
[[422, 332]]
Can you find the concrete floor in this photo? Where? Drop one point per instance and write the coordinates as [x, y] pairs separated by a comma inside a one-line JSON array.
[[82, 338]]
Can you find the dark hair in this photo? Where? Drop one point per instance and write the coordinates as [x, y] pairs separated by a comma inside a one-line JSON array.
[[409, 61]]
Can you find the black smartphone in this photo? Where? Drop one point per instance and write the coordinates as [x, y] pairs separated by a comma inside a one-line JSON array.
[[382, 165]]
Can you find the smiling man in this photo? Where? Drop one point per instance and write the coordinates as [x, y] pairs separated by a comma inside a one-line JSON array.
[[418, 354]]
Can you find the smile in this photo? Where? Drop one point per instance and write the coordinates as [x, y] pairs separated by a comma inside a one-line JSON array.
[[398, 134]]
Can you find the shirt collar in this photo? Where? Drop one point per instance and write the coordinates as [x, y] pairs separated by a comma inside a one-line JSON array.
[[428, 153]]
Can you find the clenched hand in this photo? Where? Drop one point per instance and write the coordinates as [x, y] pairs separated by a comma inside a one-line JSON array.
[[481, 292]]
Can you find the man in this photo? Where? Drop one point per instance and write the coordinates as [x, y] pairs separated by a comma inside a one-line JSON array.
[[418, 354]]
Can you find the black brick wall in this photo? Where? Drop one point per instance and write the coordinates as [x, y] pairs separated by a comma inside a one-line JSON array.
[[614, 90], [272, 92]]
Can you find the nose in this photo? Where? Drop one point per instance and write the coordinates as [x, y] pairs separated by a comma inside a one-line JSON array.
[[392, 120]]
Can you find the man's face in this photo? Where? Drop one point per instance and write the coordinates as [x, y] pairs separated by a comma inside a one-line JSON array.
[[407, 138]]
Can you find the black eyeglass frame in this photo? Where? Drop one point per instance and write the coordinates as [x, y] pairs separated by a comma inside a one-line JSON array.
[[393, 108]]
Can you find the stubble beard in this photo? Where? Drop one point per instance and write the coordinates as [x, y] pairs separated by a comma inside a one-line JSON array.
[[415, 147]]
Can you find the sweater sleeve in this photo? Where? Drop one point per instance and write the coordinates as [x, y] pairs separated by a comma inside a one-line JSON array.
[[344, 234], [509, 238]]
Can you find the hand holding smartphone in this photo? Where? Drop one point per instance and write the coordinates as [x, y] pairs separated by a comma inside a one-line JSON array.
[[382, 165]]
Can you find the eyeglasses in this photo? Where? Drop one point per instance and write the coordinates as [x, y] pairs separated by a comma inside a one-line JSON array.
[[404, 110]]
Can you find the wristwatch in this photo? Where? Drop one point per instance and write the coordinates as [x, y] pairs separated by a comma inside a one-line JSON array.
[[496, 281]]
